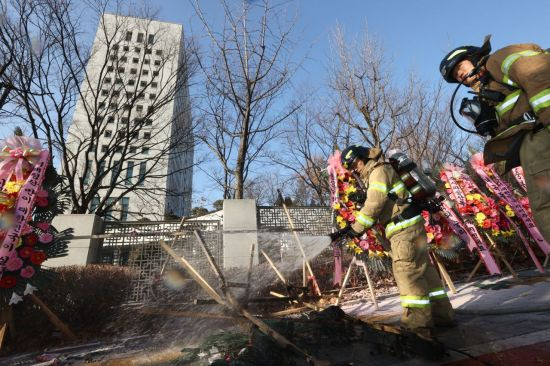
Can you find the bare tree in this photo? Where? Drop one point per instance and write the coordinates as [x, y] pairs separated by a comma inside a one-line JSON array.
[[246, 70], [117, 116], [426, 132], [364, 94]]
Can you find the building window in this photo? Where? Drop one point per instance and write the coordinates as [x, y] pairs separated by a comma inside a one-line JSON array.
[[154, 84], [94, 203], [146, 61], [124, 120], [137, 50], [139, 108], [129, 173], [115, 171], [107, 80], [123, 59], [133, 149], [116, 93], [147, 135], [104, 148], [125, 203], [143, 83], [138, 121], [148, 122], [151, 39], [140, 37], [158, 52], [148, 51], [104, 92], [135, 60], [87, 172], [110, 68], [131, 82], [150, 109], [157, 62], [145, 150], [142, 171], [108, 133], [100, 170], [126, 48], [115, 47], [129, 95], [118, 81], [112, 57], [110, 119], [133, 71], [121, 70], [152, 96], [110, 209], [145, 72], [128, 36], [113, 105], [101, 105], [155, 73]]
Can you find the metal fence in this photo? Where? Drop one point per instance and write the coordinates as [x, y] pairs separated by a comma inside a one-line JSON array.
[[276, 237], [136, 245]]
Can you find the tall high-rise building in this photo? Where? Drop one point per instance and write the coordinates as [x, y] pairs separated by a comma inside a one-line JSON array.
[[131, 133]]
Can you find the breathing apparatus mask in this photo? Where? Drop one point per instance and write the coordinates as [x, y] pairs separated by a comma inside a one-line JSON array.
[[479, 109]]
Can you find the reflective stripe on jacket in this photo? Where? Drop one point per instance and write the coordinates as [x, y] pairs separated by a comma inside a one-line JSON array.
[[379, 179]]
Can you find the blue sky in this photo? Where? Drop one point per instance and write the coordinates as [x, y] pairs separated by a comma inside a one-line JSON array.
[[415, 34]]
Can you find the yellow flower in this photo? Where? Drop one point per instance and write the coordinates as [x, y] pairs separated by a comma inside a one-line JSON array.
[[477, 196], [447, 185], [19, 243], [13, 187], [342, 224], [336, 206], [480, 216], [508, 208], [510, 213], [431, 236], [469, 197], [350, 189]]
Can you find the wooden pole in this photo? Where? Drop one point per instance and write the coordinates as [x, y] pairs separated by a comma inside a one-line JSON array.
[[371, 286], [299, 242], [249, 274], [193, 273], [501, 256], [279, 274], [172, 245], [52, 317], [471, 275], [264, 328], [346, 278], [444, 273]]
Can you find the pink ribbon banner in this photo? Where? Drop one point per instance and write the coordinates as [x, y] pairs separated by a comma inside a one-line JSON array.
[[505, 193], [23, 207], [517, 172], [475, 240]]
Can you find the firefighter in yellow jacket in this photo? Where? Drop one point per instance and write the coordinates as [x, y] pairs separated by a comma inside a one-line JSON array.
[[424, 300], [515, 83]]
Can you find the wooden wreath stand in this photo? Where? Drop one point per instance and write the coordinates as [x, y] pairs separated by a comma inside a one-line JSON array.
[[7, 321], [498, 254], [442, 272], [353, 264]]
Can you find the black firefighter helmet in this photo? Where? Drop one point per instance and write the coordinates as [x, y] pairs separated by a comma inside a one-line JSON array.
[[353, 152], [475, 54]]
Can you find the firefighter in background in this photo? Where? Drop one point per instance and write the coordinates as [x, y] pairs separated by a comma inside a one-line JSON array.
[[424, 300], [513, 83]]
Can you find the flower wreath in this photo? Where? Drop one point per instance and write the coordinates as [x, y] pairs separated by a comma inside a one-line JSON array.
[[26, 243], [343, 185]]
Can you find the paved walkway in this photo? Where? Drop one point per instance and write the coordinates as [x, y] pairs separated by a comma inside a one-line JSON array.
[[502, 321]]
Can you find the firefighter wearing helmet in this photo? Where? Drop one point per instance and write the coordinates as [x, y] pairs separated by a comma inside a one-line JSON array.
[[424, 300], [513, 93]]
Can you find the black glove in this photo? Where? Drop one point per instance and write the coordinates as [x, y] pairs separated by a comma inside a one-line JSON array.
[[339, 233], [347, 231]]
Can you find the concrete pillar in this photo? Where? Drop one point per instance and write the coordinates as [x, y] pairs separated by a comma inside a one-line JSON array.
[[239, 232], [81, 251]]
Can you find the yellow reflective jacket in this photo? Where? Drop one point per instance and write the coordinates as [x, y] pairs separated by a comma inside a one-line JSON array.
[[526, 69], [379, 179]]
